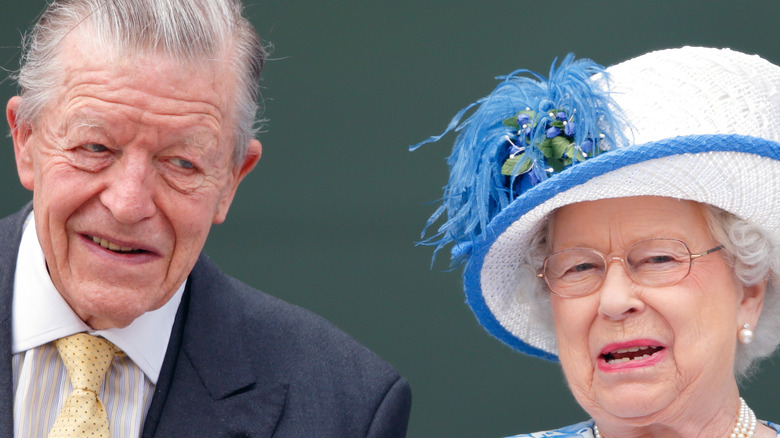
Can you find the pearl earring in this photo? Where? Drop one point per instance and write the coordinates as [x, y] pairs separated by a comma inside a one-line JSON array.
[[745, 334]]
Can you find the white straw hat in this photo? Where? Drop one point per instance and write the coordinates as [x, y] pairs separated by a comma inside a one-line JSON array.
[[692, 123]]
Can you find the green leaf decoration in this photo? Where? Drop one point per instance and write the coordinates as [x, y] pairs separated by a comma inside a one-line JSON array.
[[557, 164], [509, 165], [559, 151], [559, 146], [547, 149], [512, 123]]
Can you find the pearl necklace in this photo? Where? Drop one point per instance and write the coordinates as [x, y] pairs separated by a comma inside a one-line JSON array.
[[745, 427]]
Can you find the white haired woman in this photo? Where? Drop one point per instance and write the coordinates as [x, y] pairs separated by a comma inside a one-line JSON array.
[[626, 222]]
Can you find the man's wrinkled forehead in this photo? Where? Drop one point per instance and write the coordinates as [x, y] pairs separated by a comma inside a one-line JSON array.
[[142, 78]]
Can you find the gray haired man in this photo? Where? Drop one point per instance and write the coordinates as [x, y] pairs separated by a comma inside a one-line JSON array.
[[133, 129]]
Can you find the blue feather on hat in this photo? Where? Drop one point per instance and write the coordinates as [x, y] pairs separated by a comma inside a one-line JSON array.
[[532, 127]]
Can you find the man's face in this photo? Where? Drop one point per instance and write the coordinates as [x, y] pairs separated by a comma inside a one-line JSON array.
[[129, 165]]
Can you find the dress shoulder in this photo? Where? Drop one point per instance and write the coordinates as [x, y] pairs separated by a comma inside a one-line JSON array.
[[585, 430], [579, 430]]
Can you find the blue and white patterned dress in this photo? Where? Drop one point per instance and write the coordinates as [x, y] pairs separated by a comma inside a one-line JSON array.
[[585, 430]]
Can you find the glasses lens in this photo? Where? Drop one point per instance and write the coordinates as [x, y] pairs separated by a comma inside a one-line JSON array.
[[659, 262], [574, 272]]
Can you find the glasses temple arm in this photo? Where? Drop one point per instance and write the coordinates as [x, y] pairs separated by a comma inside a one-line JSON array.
[[709, 251]]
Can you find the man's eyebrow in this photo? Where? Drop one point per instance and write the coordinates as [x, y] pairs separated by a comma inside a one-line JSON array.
[[83, 123], [200, 141]]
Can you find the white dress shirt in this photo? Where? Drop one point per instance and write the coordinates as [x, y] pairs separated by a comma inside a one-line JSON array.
[[41, 384]]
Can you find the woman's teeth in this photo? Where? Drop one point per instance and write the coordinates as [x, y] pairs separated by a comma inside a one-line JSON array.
[[622, 355]]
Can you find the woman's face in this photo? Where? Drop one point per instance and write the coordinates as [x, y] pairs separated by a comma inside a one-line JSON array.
[[685, 334]]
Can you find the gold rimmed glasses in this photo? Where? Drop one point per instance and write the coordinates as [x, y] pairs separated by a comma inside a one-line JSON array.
[[577, 272]]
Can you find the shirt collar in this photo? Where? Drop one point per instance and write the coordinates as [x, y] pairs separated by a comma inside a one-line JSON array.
[[41, 315]]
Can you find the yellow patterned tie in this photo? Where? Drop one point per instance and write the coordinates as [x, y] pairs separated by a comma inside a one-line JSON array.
[[87, 358]]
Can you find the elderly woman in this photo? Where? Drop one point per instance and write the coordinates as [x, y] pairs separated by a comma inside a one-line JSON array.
[[626, 222]]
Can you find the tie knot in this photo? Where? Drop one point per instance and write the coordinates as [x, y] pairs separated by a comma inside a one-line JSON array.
[[87, 358]]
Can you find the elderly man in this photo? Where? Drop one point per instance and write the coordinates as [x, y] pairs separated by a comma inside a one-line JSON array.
[[133, 130]]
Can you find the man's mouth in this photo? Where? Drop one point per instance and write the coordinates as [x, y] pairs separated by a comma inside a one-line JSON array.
[[111, 246], [622, 355]]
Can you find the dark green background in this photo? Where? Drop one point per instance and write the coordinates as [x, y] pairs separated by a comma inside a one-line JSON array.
[[329, 218]]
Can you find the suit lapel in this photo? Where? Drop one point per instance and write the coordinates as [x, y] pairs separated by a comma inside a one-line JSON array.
[[200, 392], [10, 236], [167, 369]]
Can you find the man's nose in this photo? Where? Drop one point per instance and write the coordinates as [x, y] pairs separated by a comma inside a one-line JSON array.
[[129, 193], [618, 295]]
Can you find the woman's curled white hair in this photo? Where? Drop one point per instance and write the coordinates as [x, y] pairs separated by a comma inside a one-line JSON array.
[[752, 252]]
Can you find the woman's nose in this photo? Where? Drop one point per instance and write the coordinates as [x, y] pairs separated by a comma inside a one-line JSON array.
[[618, 295]]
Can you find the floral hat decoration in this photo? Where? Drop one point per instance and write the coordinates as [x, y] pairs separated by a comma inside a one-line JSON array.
[[692, 123]]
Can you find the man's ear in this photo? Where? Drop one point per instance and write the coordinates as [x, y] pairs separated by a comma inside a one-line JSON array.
[[253, 153], [752, 302], [20, 134]]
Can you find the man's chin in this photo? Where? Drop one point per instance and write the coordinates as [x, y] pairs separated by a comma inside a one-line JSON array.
[[111, 308], [99, 323]]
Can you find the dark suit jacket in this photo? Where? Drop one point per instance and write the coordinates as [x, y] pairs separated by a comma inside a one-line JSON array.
[[244, 364]]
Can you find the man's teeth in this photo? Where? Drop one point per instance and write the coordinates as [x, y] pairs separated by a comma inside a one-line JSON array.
[[111, 245]]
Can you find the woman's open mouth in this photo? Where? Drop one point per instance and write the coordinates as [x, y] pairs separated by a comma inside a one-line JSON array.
[[623, 355]]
